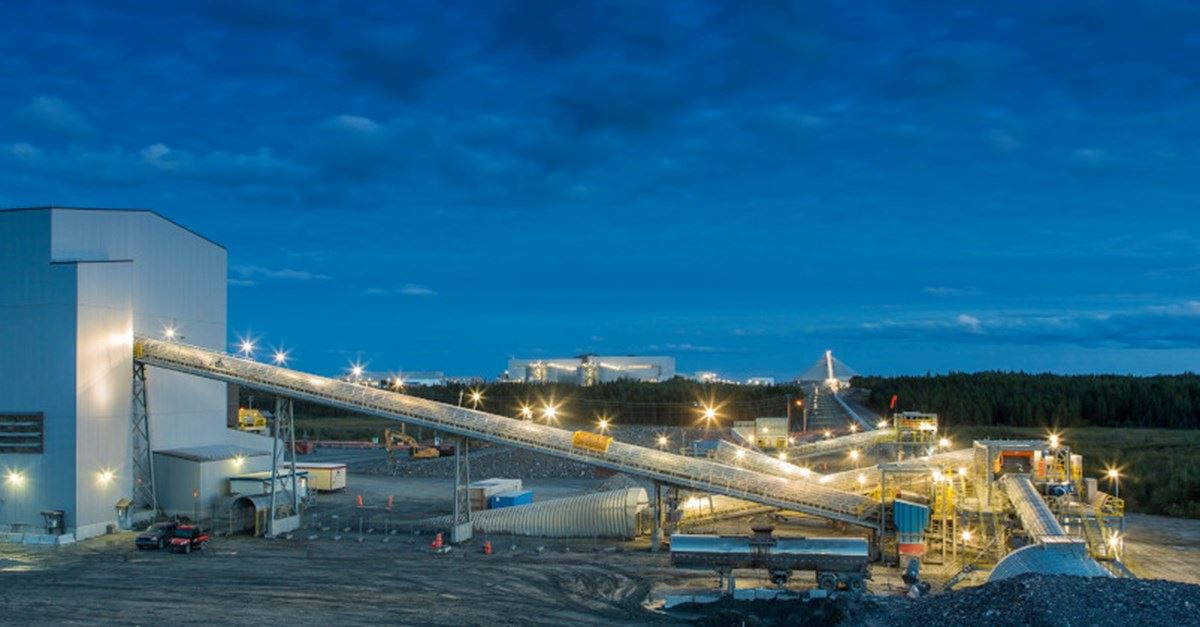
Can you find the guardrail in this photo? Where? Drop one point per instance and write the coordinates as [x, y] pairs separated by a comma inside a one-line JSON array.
[[697, 474]]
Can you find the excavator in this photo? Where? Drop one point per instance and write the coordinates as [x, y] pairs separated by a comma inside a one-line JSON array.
[[395, 441]]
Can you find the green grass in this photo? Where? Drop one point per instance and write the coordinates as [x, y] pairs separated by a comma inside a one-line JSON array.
[[1160, 468]]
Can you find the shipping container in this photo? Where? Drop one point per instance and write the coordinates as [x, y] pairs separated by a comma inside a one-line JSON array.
[[481, 492], [509, 499], [324, 477]]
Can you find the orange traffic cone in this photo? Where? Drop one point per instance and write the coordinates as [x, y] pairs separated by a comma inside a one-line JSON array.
[[437, 541], [487, 547], [358, 499]]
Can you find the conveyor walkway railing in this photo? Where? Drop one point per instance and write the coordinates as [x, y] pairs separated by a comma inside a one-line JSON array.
[[698, 474]]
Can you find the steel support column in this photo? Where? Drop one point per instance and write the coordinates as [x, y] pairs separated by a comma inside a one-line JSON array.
[[283, 431], [656, 534], [143, 459], [461, 529]]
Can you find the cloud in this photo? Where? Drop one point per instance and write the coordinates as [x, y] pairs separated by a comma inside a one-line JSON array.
[[1173, 326], [241, 282], [408, 289], [286, 274], [941, 290], [117, 166], [687, 347], [53, 115]]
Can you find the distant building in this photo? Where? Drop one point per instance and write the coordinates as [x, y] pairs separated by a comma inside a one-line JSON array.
[[760, 381], [591, 369], [706, 376]]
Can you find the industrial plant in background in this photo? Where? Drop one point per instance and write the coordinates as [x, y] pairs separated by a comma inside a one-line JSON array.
[[591, 369]]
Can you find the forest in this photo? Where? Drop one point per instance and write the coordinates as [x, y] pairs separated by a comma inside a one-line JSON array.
[[1043, 400]]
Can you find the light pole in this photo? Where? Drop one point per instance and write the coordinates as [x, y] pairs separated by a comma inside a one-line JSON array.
[[1114, 476]]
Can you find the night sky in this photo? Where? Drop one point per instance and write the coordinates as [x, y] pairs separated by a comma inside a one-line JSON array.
[[920, 186]]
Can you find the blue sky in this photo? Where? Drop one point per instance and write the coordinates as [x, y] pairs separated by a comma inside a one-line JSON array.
[[919, 187]]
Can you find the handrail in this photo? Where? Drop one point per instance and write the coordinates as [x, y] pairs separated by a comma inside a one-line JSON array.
[[699, 474]]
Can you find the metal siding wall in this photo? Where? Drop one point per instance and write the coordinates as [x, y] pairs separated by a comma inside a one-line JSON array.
[[178, 277], [37, 316], [104, 379]]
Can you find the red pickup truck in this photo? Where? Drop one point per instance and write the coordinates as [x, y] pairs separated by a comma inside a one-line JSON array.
[[188, 537]]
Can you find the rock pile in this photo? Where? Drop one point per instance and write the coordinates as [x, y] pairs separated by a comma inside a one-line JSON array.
[[1061, 600]]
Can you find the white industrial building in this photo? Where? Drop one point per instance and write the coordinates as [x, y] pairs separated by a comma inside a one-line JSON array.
[[75, 286], [591, 369]]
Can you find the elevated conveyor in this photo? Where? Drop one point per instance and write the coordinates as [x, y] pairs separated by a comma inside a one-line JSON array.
[[1053, 551], [697, 474], [833, 446], [1037, 519]]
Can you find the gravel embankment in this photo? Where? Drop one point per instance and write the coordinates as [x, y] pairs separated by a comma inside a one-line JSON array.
[[1029, 600], [1063, 601]]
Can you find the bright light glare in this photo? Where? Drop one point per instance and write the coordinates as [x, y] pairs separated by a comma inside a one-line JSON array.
[[862, 479], [602, 423], [356, 370], [105, 476], [247, 347], [14, 478], [944, 443], [1114, 541], [882, 424], [238, 460], [854, 454], [169, 333], [662, 440], [476, 396], [966, 535], [853, 428], [550, 412], [526, 412], [828, 433], [710, 413], [962, 471], [783, 455], [1054, 440], [1112, 473], [805, 472], [280, 357], [740, 454]]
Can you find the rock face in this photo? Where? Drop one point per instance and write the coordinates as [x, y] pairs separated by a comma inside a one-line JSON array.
[[1061, 600]]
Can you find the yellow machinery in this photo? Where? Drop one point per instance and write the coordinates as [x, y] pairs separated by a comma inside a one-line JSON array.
[[394, 441], [252, 420], [591, 441]]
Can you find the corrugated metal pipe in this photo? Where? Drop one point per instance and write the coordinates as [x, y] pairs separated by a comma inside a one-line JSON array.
[[613, 514]]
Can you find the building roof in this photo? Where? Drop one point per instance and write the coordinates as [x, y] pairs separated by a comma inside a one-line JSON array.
[[149, 211], [212, 452]]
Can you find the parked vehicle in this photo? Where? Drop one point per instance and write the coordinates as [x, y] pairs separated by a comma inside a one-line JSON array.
[[157, 536], [188, 538]]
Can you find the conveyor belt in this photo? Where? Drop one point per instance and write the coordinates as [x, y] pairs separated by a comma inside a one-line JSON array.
[[1037, 519], [698, 474]]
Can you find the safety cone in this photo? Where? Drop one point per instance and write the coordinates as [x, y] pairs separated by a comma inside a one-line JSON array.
[[487, 547], [358, 500], [437, 541]]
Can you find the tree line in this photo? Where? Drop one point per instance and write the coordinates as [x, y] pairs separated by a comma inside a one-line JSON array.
[[1043, 400]]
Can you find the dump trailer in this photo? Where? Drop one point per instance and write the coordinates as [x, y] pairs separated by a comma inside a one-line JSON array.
[[838, 563]]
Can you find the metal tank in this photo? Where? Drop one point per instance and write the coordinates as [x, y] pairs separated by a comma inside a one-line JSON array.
[[837, 562]]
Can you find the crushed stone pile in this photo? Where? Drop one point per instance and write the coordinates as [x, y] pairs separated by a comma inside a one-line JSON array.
[[1063, 601], [1028, 600]]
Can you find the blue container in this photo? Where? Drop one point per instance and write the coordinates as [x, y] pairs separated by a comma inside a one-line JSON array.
[[508, 499], [911, 520]]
